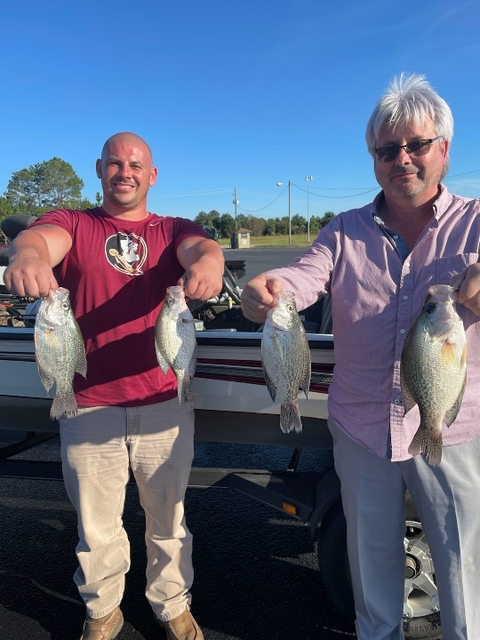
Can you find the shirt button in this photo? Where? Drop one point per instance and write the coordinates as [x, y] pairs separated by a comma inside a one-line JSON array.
[[402, 330], [397, 401], [395, 237], [405, 297]]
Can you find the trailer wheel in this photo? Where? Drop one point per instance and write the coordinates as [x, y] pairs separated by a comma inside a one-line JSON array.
[[421, 616]]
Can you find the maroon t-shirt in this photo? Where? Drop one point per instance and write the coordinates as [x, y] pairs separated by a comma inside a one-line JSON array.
[[117, 273]]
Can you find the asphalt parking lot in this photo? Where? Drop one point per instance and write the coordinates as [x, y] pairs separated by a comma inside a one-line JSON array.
[[256, 574]]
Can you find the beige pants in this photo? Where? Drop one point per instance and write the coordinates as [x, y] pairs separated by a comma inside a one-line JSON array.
[[99, 446]]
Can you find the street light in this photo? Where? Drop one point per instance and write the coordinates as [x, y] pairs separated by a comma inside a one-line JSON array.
[[280, 184], [308, 179]]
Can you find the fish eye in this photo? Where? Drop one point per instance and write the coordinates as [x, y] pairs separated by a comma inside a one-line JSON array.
[[65, 305], [430, 307]]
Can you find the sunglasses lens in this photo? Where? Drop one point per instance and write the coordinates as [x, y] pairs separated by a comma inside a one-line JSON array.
[[418, 147], [387, 154], [415, 148]]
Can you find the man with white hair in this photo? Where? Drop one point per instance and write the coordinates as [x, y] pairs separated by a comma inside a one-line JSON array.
[[377, 263]]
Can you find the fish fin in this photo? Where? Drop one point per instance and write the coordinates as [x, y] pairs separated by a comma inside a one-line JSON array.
[[193, 363], [305, 383], [448, 353], [290, 419], [46, 378], [185, 390], [453, 412], [408, 400], [162, 363], [81, 365], [272, 389], [64, 403], [429, 443]]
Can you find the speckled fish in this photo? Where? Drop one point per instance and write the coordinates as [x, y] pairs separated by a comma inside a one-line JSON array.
[[176, 341], [286, 359], [59, 350], [433, 370]]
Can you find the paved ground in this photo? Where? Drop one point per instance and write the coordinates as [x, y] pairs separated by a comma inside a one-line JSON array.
[[260, 259], [256, 569]]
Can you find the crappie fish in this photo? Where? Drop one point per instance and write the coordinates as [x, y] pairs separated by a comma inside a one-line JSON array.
[[433, 370], [59, 350], [176, 341], [286, 359]]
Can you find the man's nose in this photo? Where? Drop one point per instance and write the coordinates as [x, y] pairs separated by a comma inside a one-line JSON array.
[[125, 170], [402, 157]]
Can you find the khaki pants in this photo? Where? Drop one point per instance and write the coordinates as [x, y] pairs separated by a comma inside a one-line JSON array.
[[99, 446]]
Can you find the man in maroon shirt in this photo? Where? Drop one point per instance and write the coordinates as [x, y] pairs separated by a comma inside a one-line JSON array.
[[117, 261]]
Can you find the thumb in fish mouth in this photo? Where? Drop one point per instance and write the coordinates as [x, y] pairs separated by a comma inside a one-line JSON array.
[[182, 281], [274, 286]]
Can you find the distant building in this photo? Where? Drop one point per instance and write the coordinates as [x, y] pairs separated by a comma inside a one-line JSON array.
[[241, 239]]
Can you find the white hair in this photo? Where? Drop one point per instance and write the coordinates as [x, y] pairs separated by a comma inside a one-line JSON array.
[[410, 99]]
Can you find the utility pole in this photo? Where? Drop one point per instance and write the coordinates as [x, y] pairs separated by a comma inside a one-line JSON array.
[[308, 179], [280, 184], [236, 203]]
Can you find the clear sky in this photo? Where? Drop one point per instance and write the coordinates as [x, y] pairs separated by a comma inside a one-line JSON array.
[[234, 94]]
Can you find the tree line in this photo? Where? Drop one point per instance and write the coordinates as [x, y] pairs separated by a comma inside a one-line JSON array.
[[226, 224], [44, 186], [53, 184]]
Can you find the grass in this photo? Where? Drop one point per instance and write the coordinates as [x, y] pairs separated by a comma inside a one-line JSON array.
[[273, 241]]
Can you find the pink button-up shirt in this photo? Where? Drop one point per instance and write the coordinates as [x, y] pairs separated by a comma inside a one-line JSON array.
[[376, 297]]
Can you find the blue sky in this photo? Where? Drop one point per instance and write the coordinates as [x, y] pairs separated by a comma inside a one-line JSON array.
[[232, 94]]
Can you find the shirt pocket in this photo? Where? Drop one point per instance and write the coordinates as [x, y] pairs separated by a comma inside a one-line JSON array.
[[446, 268]]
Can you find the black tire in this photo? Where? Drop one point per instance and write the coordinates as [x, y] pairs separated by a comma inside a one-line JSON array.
[[422, 617]]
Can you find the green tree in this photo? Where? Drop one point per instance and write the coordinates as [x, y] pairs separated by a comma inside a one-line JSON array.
[[6, 208], [210, 219], [299, 224], [43, 186], [271, 228], [242, 221], [327, 217], [226, 225]]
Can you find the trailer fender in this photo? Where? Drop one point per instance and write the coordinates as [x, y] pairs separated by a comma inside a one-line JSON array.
[[326, 495]]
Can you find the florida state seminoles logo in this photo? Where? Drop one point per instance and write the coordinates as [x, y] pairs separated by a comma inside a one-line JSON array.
[[126, 253]]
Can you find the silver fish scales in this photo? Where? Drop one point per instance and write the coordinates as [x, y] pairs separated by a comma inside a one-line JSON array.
[[433, 370], [286, 359], [176, 341], [59, 350]]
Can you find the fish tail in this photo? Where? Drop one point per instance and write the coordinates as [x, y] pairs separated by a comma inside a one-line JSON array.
[[64, 403], [429, 443], [290, 417]]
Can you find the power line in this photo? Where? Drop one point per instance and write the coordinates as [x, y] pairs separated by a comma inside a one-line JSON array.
[[268, 205]]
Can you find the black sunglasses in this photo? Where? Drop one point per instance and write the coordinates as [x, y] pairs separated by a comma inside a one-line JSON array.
[[415, 148]]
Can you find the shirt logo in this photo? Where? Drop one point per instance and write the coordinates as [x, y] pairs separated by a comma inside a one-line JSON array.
[[126, 252]]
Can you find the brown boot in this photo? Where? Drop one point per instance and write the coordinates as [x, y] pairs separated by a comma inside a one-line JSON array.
[[106, 628], [183, 627]]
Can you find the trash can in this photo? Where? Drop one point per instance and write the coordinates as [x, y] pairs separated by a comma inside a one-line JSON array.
[[234, 241]]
